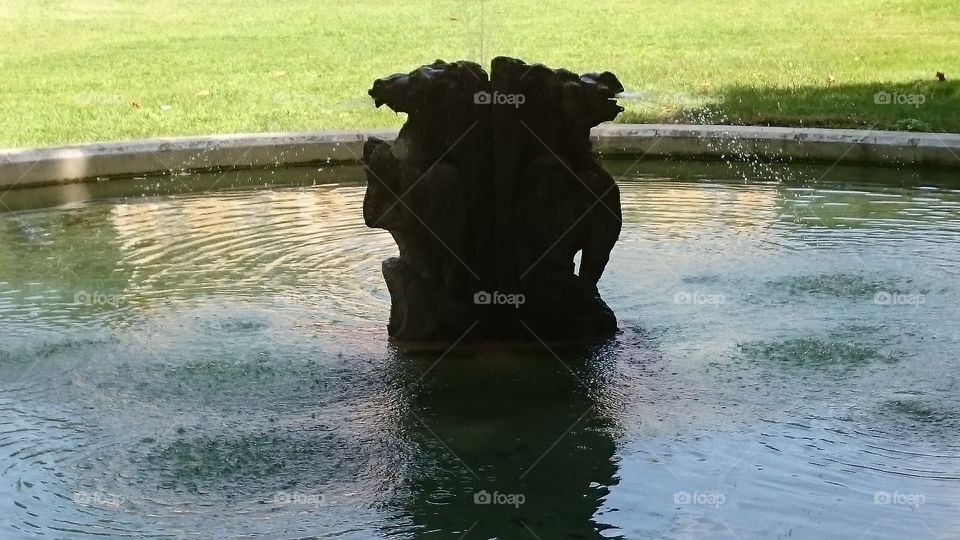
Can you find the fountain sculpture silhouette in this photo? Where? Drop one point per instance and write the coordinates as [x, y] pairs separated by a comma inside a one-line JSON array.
[[490, 190]]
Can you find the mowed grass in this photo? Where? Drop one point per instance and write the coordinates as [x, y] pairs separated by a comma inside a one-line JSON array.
[[91, 70]]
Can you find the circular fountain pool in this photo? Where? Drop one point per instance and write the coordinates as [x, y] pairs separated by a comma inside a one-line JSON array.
[[179, 361]]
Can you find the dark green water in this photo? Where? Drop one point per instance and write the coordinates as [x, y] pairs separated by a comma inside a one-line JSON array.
[[179, 363]]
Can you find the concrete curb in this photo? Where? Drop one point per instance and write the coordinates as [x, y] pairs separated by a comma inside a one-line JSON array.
[[900, 148], [38, 166]]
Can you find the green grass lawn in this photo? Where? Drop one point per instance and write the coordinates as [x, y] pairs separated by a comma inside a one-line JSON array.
[[87, 70]]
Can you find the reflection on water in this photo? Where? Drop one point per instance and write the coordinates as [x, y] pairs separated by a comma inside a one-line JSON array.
[[174, 362], [500, 457]]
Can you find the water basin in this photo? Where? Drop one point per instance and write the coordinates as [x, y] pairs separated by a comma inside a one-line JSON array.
[[194, 353]]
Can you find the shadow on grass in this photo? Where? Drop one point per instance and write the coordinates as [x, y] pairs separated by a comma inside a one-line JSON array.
[[916, 106]]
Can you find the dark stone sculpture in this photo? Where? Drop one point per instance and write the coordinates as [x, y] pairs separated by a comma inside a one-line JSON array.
[[490, 190]]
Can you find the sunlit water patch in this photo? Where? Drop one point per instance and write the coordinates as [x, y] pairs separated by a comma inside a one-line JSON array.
[[178, 362]]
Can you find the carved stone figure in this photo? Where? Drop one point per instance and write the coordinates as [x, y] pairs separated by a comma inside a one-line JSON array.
[[490, 190]]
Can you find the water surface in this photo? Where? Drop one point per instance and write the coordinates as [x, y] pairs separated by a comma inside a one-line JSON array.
[[176, 361]]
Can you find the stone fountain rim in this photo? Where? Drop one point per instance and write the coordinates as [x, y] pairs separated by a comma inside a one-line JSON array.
[[28, 167]]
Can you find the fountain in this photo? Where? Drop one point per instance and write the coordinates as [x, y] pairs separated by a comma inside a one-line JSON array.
[[213, 336], [490, 190]]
